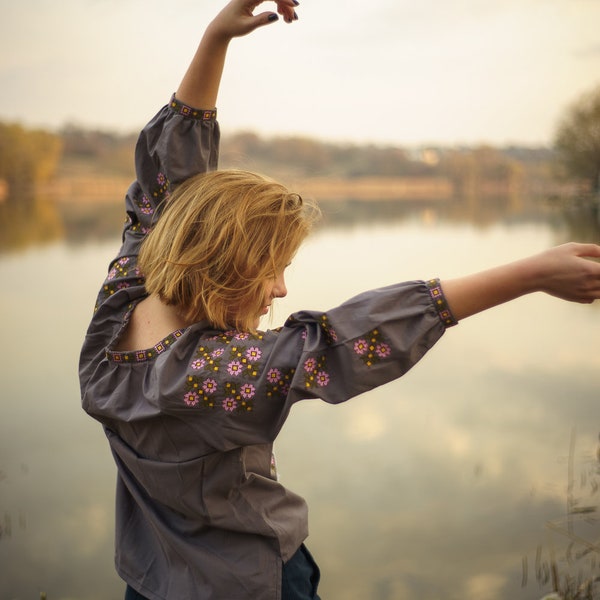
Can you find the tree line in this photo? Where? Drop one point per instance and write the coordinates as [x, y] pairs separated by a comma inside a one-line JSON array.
[[32, 156]]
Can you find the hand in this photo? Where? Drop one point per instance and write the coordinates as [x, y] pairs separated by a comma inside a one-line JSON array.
[[238, 18], [200, 84], [567, 272]]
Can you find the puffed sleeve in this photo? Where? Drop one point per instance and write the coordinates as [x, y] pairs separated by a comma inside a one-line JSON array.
[[367, 341], [178, 143]]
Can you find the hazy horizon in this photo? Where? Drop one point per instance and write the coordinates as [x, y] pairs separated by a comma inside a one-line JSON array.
[[453, 73]]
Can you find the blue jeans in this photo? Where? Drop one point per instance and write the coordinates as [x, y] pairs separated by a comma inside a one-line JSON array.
[[299, 580]]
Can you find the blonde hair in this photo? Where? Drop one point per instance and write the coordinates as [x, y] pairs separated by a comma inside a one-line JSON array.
[[221, 236]]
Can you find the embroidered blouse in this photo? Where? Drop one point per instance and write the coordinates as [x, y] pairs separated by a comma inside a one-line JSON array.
[[191, 422]]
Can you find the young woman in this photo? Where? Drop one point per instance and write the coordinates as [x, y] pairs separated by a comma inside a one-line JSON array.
[[192, 396]]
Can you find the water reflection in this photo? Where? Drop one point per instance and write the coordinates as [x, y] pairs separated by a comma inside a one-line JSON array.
[[439, 485], [29, 220]]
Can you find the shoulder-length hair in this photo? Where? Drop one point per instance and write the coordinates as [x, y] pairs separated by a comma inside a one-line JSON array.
[[221, 236]]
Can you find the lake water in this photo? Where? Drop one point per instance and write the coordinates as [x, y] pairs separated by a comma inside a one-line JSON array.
[[475, 476]]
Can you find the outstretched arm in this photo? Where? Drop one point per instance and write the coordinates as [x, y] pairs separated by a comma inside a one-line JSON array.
[[565, 272], [200, 84]]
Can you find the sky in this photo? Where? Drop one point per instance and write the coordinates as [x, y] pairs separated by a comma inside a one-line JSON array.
[[394, 72]]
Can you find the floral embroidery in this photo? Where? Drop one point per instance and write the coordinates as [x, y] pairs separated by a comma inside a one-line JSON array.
[[198, 363], [191, 398], [247, 390], [315, 373], [279, 382], [372, 348], [144, 205], [440, 303], [236, 359], [382, 350], [229, 404], [253, 354], [310, 365], [273, 375], [322, 378], [360, 347], [235, 368], [121, 269], [209, 386], [330, 333], [160, 192]]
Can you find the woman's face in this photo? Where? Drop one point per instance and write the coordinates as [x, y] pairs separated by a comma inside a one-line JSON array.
[[273, 288]]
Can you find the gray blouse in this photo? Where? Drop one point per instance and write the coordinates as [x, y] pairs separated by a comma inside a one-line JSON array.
[[191, 422]]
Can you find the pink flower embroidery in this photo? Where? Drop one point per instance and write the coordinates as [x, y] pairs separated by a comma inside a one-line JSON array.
[[247, 391], [161, 179], [242, 336], [198, 363], [360, 346], [383, 350], [234, 368], [310, 365], [322, 378], [216, 353], [253, 354], [191, 398], [210, 386], [229, 404], [274, 375]]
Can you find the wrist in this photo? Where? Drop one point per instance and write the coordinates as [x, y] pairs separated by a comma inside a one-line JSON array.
[[532, 273], [216, 37]]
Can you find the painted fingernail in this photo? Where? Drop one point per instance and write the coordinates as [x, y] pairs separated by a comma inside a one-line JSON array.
[[295, 16], [273, 17], [296, 2]]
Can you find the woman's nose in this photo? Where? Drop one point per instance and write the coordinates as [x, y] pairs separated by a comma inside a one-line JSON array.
[[279, 289]]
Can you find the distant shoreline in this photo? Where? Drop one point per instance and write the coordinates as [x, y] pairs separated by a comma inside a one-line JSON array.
[[94, 189]]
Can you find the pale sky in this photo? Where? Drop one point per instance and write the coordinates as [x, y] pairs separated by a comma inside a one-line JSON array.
[[383, 71]]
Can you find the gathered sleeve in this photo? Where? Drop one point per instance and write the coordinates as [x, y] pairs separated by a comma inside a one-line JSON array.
[[178, 143], [237, 389], [369, 340]]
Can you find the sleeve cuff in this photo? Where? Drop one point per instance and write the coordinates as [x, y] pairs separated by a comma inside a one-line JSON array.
[[193, 113], [439, 302]]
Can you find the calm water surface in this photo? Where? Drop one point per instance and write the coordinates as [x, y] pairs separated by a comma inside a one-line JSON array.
[[463, 480]]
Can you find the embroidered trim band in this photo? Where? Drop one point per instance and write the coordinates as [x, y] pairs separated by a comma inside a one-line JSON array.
[[440, 303], [143, 355], [194, 113]]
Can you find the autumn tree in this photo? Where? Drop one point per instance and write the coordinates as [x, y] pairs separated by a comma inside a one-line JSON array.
[[577, 139], [27, 156]]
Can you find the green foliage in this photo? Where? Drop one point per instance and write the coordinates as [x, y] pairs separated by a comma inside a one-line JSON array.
[[578, 139]]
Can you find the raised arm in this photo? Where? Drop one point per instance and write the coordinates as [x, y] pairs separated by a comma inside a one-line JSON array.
[[200, 84], [567, 272]]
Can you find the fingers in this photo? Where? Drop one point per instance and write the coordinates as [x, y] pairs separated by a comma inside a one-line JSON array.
[[286, 8], [588, 250]]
